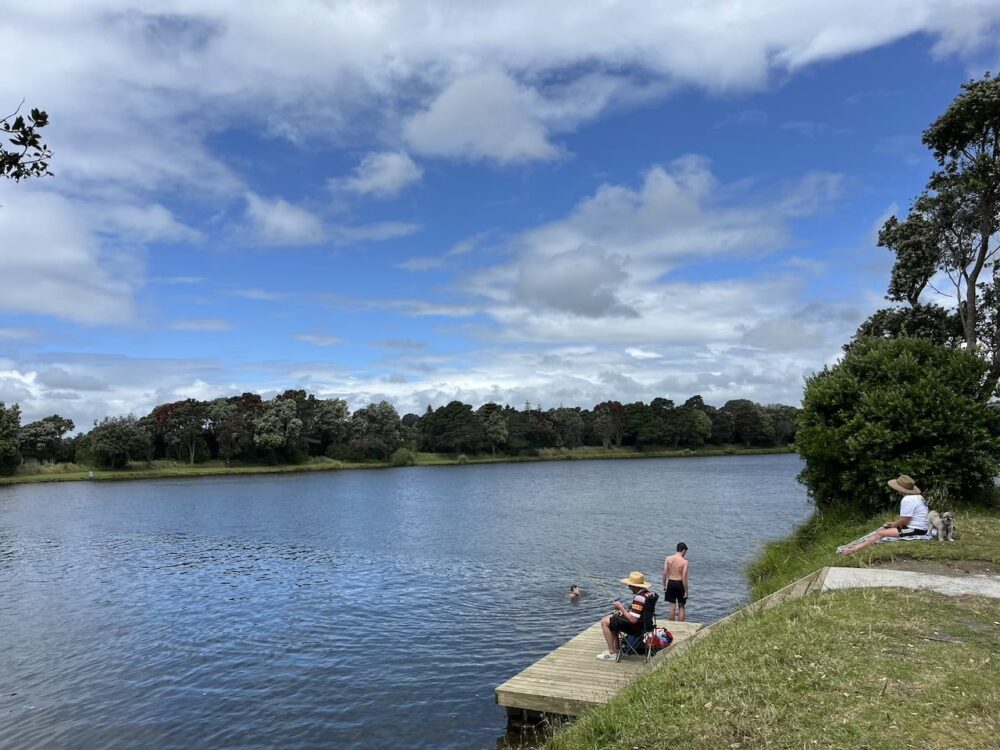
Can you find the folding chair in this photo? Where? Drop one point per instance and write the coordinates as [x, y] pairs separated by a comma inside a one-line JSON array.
[[636, 643]]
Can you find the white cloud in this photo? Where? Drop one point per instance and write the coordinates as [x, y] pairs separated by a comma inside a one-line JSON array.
[[261, 295], [379, 232], [54, 264], [210, 325], [382, 174], [637, 353], [483, 115], [318, 339], [277, 222]]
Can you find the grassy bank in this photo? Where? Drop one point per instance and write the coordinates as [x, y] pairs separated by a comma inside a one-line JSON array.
[[169, 469], [887, 669], [814, 545]]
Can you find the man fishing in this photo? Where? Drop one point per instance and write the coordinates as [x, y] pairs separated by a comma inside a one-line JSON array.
[[625, 619]]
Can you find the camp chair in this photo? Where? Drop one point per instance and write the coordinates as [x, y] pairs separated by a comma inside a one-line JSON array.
[[636, 644]]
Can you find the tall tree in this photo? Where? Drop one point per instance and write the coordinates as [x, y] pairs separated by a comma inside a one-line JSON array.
[[952, 228], [27, 156], [375, 430], [10, 438], [43, 440], [115, 441]]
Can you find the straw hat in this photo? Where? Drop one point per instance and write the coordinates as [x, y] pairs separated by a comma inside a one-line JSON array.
[[635, 578], [904, 485]]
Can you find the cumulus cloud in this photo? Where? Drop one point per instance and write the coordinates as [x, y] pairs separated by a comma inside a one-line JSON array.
[[482, 115], [275, 221], [54, 263], [382, 175]]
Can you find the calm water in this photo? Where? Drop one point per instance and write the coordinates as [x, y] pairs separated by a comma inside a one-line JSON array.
[[362, 609]]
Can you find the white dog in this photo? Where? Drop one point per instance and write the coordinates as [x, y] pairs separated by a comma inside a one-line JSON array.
[[943, 524]]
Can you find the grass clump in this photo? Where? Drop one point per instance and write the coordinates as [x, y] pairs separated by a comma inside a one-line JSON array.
[[846, 669], [814, 545]]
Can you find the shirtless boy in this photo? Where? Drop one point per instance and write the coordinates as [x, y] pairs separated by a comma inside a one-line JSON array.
[[675, 581]]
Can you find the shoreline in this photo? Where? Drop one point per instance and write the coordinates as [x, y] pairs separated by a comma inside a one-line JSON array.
[[216, 469]]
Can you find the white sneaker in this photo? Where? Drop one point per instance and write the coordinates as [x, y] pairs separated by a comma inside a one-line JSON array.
[[607, 656]]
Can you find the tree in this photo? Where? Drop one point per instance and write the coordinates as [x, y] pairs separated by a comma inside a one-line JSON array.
[[785, 422], [10, 438], [640, 426], [43, 440], [278, 427], [692, 426], [609, 422], [568, 426], [495, 426], [952, 228], [453, 428], [331, 423], [751, 426], [116, 440], [29, 156], [892, 407], [182, 425], [375, 430]]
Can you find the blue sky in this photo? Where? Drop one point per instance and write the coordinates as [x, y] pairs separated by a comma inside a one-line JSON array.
[[512, 202]]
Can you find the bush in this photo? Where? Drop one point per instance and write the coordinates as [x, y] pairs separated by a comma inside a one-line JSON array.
[[897, 407], [462, 459], [403, 457]]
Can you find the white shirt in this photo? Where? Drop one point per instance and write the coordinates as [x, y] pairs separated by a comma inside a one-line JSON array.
[[915, 507]]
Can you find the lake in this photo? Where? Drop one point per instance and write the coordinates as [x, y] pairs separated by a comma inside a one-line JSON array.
[[359, 609]]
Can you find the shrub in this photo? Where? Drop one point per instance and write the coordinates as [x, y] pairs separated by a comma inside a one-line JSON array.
[[403, 457], [462, 459], [897, 407]]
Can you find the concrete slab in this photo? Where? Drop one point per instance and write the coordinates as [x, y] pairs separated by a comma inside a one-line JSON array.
[[852, 578]]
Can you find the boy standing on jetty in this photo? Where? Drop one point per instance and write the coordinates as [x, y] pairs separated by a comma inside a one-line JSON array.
[[675, 581]]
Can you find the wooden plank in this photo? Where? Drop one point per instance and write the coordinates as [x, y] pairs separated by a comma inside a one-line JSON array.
[[570, 680]]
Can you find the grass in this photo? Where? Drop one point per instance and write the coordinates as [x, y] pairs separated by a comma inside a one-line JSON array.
[[171, 469], [814, 545], [857, 669]]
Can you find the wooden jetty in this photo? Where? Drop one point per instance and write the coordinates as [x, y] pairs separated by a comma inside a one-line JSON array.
[[571, 680]]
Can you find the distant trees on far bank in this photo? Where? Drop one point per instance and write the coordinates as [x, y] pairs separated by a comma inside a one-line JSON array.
[[295, 425]]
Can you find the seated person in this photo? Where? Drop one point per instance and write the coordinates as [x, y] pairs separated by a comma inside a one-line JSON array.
[[625, 619], [912, 519], [574, 592]]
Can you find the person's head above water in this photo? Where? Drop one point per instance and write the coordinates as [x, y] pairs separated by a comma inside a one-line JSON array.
[[574, 591]]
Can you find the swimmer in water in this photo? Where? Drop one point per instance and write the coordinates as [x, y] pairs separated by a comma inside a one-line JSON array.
[[574, 592]]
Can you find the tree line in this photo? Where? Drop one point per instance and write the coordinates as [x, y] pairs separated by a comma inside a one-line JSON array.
[[296, 425]]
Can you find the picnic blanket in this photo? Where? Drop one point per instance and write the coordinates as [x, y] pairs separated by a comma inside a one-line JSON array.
[[871, 535]]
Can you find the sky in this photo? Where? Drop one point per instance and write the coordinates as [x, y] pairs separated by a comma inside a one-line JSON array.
[[529, 201]]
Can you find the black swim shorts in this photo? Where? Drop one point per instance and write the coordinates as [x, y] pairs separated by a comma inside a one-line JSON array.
[[907, 531], [675, 593], [621, 624]]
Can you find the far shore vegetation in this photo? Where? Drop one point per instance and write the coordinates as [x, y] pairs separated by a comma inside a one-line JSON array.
[[296, 431], [168, 469]]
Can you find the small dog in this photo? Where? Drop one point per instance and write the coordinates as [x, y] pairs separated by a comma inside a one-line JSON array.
[[944, 524]]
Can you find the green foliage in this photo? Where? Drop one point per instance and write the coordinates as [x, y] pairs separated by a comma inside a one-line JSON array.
[[952, 229], [44, 440], [10, 438], [376, 430], [452, 428], [117, 440], [892, 407], [462, 459], [403, 457], [29, 157]]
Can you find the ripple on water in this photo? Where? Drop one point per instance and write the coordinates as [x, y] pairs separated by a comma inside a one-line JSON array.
[[352, 610]]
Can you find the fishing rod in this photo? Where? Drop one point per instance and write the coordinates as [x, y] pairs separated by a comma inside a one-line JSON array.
[[593, 582]]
